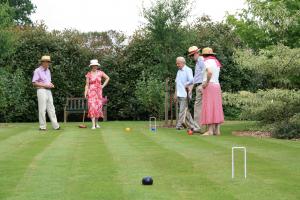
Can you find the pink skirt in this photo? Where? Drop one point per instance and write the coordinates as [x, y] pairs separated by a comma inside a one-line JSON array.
[[212, 109]]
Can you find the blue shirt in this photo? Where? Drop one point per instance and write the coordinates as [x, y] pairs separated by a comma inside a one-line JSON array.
[[199, 70], [184, 78]]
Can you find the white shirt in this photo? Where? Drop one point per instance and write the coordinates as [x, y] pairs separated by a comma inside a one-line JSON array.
[[184, 78], [212, 65]]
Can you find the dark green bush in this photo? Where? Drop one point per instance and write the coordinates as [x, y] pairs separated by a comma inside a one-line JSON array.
[[288, 129], [14, 101], [70, 63], [232, 112], [276, 109], [150, 94]]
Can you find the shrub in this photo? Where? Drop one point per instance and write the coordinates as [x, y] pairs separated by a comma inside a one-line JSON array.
[[275, 108], [13, 97], [288, 129], [150, 94]]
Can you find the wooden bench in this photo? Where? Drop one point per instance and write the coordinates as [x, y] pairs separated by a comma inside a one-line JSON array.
[[79, 105]]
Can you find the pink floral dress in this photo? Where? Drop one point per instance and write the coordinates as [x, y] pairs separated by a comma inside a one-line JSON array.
[[94, 94]]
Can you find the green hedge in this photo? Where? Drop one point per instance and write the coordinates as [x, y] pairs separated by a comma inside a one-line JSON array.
[[277, 109]]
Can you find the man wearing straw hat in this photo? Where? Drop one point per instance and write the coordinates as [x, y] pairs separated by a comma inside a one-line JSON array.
[[42, 82], [198, 78]]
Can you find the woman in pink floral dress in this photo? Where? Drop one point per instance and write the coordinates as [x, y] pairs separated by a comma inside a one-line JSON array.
[[93, 92]]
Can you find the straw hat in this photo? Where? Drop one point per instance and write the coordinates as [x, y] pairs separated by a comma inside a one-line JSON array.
[[207, 51], [94, 62], [193, 49], [45, 59]]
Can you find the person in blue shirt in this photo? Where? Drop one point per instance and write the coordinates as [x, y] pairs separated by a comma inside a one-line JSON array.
[[184, 81], [198, 79]]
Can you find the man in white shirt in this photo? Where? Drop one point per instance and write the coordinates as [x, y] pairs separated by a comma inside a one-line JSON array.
[[184, 81]]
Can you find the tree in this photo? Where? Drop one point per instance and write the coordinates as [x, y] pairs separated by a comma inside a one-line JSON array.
[[268, 22], [7, 39], [22, 9], [224, 41], [279, 64], [165, 28]]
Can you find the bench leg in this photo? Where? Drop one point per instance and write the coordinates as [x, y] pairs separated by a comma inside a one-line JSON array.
[[65, 116], [105, 113]]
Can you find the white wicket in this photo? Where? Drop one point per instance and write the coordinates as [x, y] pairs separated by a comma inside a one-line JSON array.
[[245, 160], [152, 124]]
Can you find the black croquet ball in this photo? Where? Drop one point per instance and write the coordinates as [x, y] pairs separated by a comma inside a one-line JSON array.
[[147, 180]]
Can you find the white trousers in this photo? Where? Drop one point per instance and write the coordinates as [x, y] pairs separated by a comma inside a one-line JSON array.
[[45, 101]]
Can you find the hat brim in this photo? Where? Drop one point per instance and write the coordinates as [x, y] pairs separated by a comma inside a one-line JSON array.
[[208, 54], [49, 61], [98, 65], [193, 52]]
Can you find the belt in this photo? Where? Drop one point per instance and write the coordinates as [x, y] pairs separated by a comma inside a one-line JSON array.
[[197, 84]]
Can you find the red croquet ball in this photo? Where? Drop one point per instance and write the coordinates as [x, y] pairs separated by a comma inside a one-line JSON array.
[[190, 132]]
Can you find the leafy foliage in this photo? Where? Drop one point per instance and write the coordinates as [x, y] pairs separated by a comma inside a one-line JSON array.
[[288, 129], [279, 64], [150, 94], [165, 30], [139, 65], [70, 63], [224, 41], [21, 10], [268, 22], [12, 95], [7, 39], [275, 107]]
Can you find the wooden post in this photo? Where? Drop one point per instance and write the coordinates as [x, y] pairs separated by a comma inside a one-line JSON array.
[[105, 113], [166, 102], [171, 102], [176, 110], [65, 116]]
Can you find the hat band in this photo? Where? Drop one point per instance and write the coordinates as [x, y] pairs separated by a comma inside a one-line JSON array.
[[193, 52]]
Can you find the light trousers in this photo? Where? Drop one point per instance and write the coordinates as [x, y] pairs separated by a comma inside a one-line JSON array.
[[198, 106], [185, 118], [45, 102]]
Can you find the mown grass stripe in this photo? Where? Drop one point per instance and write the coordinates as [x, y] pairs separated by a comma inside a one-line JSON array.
[[212, 159], [109, 164], [16, 155], [171, 171], [74, 166], [11, 130]]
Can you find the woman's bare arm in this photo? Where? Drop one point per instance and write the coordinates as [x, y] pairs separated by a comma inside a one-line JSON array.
[[106, 80], [209, 74], [86, 87]]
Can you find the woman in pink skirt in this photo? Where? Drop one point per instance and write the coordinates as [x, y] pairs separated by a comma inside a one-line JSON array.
[[93, 92], [212, 110]]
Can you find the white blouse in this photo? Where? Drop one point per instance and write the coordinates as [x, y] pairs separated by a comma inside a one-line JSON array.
[[212, 65]]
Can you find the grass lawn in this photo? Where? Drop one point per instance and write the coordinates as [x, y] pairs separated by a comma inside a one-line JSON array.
[[108, 164]]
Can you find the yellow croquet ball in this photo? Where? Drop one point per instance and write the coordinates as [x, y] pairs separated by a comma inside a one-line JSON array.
[[127, 129]]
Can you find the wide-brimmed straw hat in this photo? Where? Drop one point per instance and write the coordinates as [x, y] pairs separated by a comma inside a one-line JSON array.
[[192, 50], [45, 59], [94, 62], [208, 51]]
